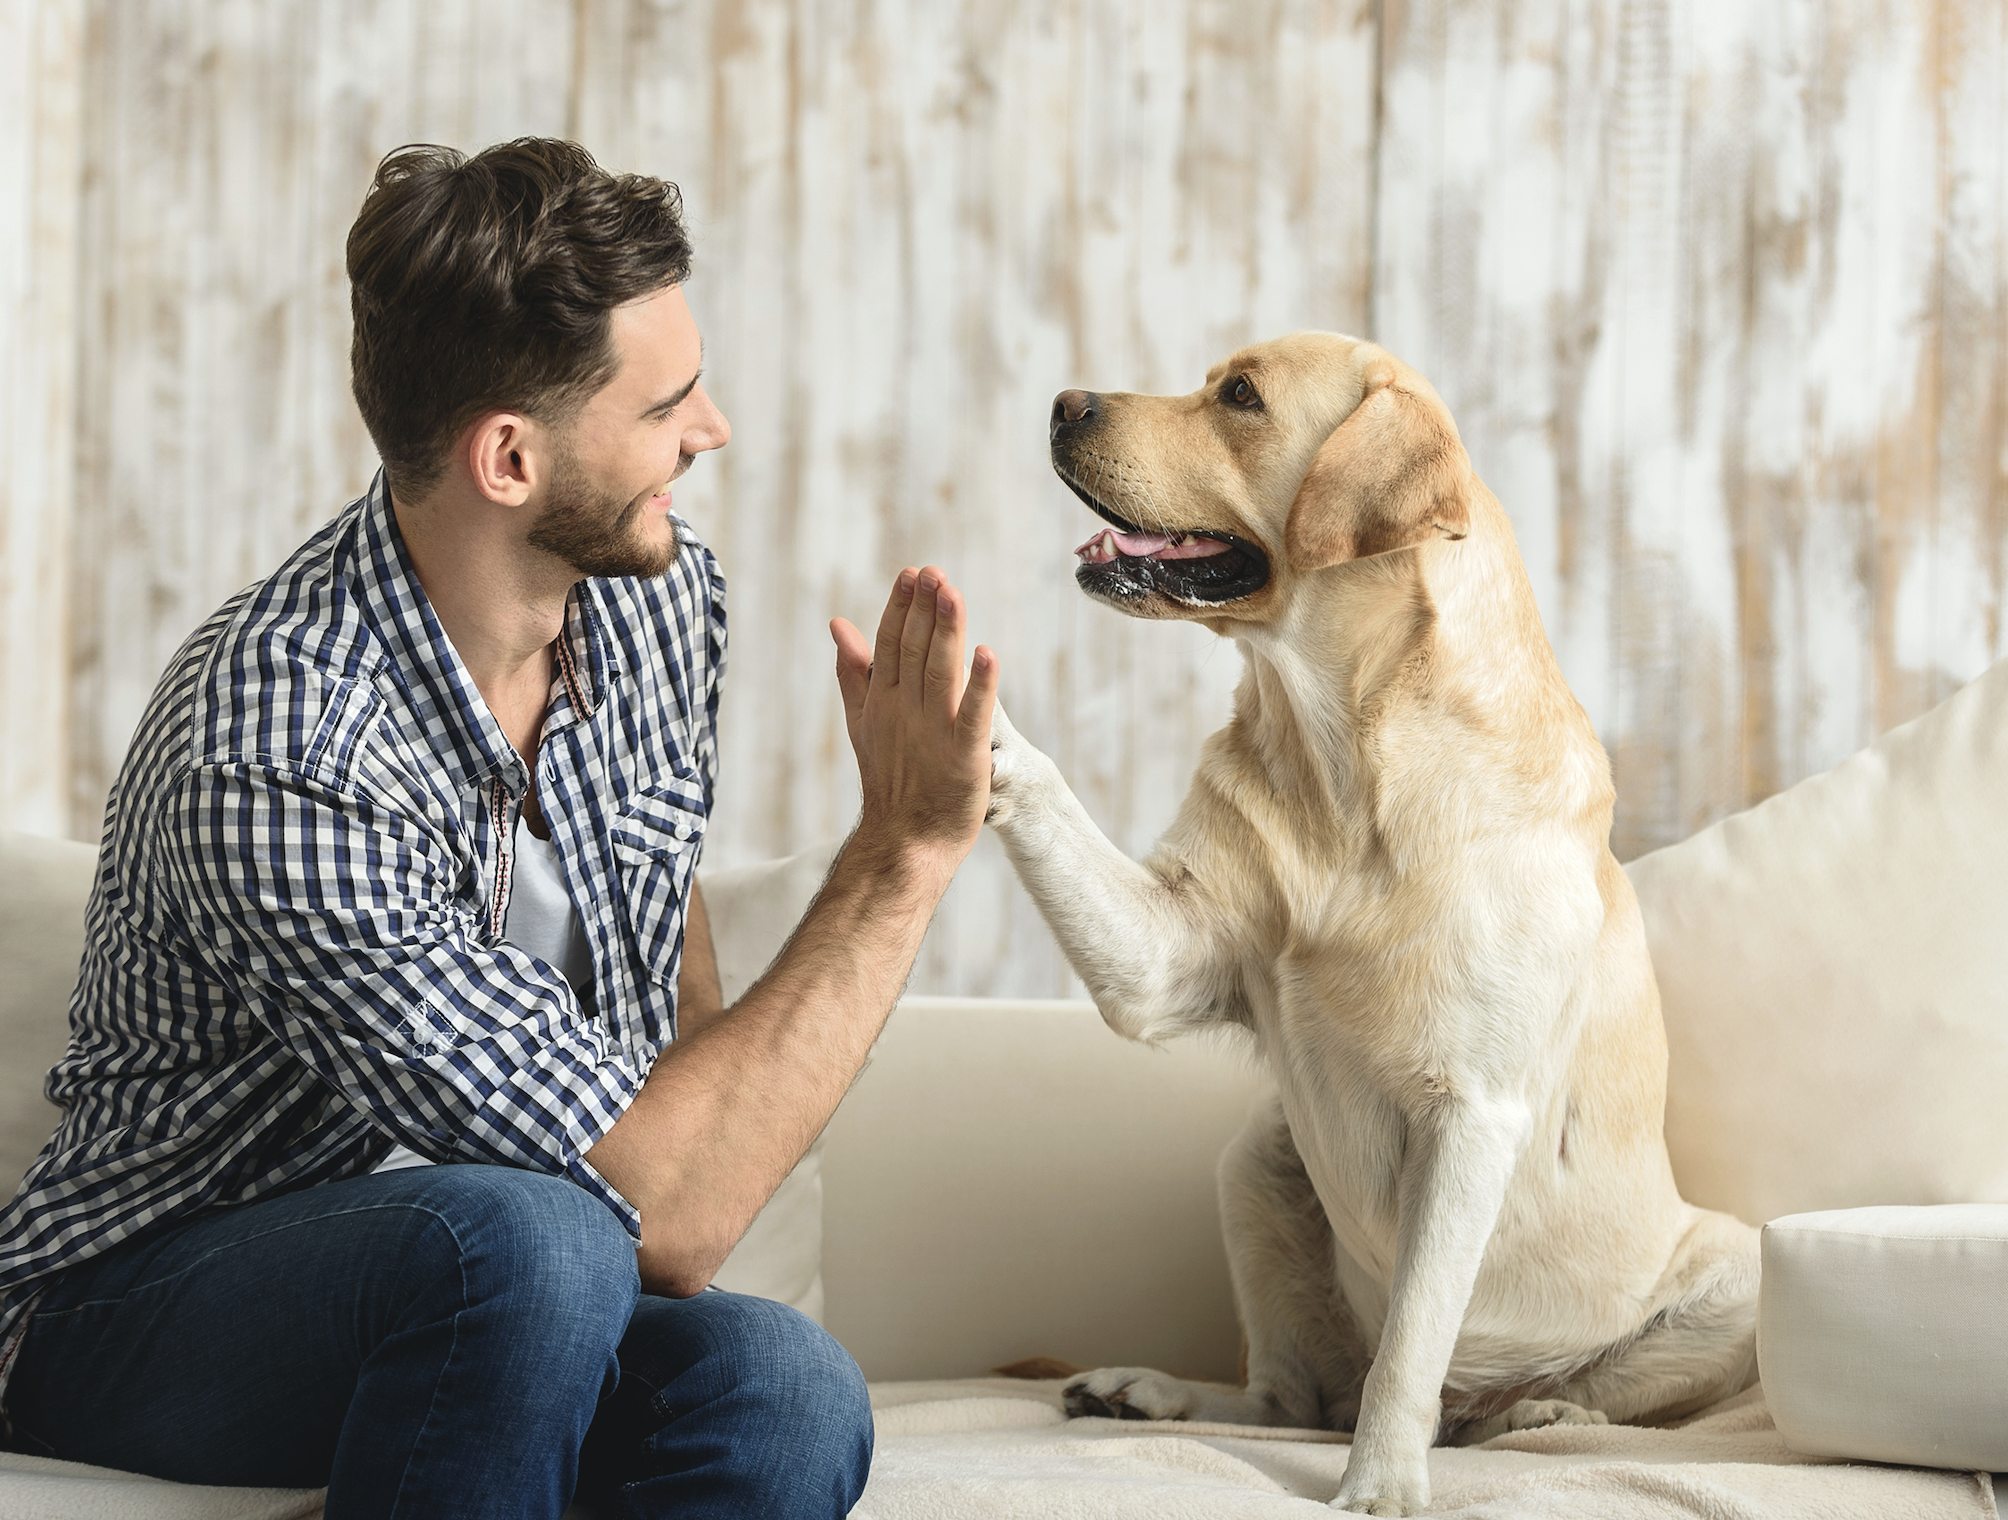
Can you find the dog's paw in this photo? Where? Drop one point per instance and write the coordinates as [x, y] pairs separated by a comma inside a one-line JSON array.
[[1015, 769], [1533, 1414], [1129, 1393], [1383, 1487], [1367, 1506]]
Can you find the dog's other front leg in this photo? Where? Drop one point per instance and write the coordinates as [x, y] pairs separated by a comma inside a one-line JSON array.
[[1144, 948], [1460, 1157]]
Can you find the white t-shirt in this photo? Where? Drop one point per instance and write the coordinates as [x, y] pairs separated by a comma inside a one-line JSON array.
[[541, 920]]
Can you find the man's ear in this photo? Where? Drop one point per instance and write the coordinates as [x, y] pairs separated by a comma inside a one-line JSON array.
[[494, 446], [1392, 475]]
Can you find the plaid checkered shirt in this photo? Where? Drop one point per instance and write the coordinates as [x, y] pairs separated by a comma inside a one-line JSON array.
[[294, 956]]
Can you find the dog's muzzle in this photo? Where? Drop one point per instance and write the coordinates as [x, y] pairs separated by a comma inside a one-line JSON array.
[[1198, 567]]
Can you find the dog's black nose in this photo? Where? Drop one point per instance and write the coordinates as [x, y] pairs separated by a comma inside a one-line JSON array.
[[1072, 409]]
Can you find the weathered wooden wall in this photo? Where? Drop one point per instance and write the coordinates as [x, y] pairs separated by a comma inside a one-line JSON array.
[[1713, 288], [41, 104], [1715, 291]]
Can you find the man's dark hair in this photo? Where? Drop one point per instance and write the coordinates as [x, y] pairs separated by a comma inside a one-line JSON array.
[[489, 282]]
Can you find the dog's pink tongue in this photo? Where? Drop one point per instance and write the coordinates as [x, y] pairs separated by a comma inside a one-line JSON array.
[[1128, 543], [1108, 543]]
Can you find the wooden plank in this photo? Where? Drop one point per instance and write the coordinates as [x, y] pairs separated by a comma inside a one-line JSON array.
[[1714, 291], [41, 106]]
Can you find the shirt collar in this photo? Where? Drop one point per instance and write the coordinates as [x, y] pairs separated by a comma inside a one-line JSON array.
[[584, 662]]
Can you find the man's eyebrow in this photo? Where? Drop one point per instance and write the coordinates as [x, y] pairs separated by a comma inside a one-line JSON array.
[[671, 403]]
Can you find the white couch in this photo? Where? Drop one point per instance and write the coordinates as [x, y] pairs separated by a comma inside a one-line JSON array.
[[1009, 1179]]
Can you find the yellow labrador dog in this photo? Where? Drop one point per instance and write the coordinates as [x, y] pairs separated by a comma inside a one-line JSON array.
[[1456, 1217]]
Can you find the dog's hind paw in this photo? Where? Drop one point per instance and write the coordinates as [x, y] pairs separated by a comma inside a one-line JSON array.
[[1533, 1414], [1530, 1414], [1129, 1393]]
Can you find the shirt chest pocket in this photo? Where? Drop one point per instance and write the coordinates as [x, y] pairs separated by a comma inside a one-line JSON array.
[[657, 837]]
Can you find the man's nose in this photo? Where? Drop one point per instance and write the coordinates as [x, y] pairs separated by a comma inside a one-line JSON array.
[[1073, 409], [714, 430]]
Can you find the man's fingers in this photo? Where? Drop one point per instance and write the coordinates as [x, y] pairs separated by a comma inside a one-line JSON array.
[[979, 697], [885, 654], [854, 663], [919, 630], [944, 653]]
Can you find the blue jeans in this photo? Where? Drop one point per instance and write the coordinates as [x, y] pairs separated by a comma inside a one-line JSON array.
[[438, 1342]]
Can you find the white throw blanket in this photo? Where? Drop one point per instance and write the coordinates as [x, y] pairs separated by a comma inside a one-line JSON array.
[[993, 1448], [989, 1448]]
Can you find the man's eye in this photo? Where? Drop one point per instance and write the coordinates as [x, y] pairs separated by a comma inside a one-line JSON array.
[[1241, 393]]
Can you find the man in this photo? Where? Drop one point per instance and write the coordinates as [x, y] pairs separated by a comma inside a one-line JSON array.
[[399, 869]]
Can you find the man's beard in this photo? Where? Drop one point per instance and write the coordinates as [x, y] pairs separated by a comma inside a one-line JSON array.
[[592, 530]]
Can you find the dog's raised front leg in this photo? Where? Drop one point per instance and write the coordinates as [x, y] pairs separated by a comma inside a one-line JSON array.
[[1149, 959], [1459, 1160]]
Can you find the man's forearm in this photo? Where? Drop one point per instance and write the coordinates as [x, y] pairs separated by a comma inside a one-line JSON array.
[[727, 1113]]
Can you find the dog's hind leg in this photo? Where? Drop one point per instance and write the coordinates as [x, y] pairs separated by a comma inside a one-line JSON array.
[[1697, 1348], [1700, 1344], [1306, 1362]]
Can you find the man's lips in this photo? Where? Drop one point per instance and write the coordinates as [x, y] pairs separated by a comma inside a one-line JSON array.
[[684, 462], [1109, 544]]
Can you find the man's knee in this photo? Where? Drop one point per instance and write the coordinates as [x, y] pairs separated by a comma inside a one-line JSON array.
[[781, 1349], [538, 1249], [781, 1378], [812, 1394]]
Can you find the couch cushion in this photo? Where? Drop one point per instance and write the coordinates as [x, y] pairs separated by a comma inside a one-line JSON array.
[[35, 1486], [44, 886], [1880, 1334], [1011, 1179], [1834, 968]]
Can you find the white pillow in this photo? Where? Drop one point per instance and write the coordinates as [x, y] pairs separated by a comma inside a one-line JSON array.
[[1834, 969], [1880, 1334], [753, 910]]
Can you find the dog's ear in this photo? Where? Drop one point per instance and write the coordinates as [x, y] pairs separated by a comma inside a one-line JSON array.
[[1392, 475]]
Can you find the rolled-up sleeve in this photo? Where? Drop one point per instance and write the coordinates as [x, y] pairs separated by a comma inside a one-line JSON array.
[[337, 917]]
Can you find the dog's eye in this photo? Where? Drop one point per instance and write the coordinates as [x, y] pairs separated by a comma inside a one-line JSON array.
[[1241, 393]]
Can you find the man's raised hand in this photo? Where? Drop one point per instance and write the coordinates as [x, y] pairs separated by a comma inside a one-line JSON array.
[[920, 727]]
